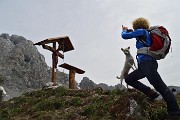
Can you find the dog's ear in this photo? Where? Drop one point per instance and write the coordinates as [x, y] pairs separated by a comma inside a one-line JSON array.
[[129, 47], [122, 49]]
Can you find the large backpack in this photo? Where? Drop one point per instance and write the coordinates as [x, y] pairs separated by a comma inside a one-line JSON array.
[[161, 43]]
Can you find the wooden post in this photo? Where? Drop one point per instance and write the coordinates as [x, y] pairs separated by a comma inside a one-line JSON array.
[[54, 66], [72, 71], [72, 78]]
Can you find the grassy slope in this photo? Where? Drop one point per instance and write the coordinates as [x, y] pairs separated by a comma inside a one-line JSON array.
[[63, 104]]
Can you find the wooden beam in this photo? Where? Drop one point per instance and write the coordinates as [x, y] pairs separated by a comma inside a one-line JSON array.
[[72, 78], [53, 50], [70, 67], [54, 66]]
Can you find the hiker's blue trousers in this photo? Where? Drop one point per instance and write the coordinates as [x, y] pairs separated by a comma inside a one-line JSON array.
[[148, 69]]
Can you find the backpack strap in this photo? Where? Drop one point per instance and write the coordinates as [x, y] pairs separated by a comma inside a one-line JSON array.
[[142, 39], [143, 42]]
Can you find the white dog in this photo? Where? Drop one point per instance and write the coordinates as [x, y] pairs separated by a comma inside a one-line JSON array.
[[127, 65]]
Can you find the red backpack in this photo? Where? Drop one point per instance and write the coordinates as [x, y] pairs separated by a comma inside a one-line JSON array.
[[161, 43]]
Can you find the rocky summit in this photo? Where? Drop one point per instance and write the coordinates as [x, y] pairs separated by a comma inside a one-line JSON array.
[[22, 67], [94, 104]]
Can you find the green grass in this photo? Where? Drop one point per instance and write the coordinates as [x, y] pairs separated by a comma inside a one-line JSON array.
[[61, 103]]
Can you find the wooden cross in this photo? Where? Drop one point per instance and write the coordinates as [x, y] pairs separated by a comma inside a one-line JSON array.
[[64, 45]]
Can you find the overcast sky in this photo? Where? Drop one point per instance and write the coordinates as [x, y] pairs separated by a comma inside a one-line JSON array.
[[94, 28]]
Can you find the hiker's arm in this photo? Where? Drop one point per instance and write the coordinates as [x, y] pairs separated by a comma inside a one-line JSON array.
[[133, 34]]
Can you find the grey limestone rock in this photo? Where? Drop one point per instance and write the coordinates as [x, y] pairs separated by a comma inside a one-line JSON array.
[[86, 83], [22, 67]]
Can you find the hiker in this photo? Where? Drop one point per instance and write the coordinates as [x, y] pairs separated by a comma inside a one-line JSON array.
[[147, 67]]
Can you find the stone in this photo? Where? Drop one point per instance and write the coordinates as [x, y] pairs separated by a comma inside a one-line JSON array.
[[86, 83]]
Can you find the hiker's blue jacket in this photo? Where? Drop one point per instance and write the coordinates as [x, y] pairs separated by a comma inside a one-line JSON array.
[[136, 34]]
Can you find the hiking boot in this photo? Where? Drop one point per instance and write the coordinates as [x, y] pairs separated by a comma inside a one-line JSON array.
[[152, 95]]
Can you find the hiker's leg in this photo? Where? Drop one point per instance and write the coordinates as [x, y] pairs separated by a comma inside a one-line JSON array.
[[132, 80], [150, 71]]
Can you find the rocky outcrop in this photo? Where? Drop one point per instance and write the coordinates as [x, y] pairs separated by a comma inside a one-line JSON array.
[[22, 67], [96, 104], [103, 86], [86, 83]]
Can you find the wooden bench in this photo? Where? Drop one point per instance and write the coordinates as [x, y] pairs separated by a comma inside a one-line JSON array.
[[72, 71]]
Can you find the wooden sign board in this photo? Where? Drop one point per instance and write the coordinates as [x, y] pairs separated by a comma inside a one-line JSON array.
[[69, 67]]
